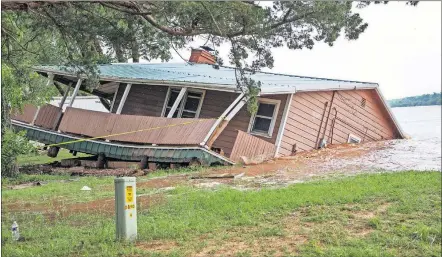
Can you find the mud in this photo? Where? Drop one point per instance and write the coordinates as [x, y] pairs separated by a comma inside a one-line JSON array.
[[60, 208]]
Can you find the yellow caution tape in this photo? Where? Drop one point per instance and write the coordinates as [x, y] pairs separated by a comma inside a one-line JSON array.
[[125, 133]]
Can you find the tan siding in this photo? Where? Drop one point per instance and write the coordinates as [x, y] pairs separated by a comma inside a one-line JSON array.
[[251, 146], [370, 123], [241, 122]]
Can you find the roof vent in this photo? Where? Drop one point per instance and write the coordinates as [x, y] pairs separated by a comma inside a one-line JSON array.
[[202, 55]]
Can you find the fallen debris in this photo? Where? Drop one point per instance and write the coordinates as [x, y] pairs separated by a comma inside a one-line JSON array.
[[214, 176], [26, 185], [239, 175], [208, 185], [86, 188]]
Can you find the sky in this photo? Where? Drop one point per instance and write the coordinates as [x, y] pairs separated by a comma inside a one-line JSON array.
[[400, 50]]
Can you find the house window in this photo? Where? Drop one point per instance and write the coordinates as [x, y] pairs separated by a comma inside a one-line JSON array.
[[352, 139], [190, 105], [263, 121]]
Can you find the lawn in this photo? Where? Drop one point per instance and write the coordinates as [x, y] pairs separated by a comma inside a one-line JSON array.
[[33, 159], [388, 214]]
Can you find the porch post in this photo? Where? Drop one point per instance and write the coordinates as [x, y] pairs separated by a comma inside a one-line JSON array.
[[74, 94], [35, 116], [177, 102], [65, 95], [115, 97], [221, 118], [50, 79], [288, 104], [123, 98]]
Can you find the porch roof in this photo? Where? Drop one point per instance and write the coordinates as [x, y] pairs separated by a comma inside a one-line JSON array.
[[202, 76]]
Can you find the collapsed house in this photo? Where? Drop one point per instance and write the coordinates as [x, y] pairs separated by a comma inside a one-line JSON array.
[[187, 112]]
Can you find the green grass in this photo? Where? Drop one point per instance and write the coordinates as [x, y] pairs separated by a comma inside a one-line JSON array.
[[33, 159], [69, 191], [391, 214]]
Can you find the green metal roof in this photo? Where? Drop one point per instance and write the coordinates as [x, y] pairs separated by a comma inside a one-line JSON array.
[[204, 74]]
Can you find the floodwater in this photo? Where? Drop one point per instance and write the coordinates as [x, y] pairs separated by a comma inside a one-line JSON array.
[[422, 151]]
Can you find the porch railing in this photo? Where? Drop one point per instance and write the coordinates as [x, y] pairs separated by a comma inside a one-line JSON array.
[[47, 116], [135, 129]]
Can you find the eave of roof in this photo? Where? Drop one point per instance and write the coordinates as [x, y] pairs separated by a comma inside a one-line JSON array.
[[205, 77]]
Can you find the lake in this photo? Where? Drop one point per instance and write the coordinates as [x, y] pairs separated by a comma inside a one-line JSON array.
[[423, 150]]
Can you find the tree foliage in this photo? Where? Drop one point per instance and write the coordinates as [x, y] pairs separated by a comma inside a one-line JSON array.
[[85, 34], [421, 100]]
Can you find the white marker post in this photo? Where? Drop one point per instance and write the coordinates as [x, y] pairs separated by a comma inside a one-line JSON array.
[[126, 208]]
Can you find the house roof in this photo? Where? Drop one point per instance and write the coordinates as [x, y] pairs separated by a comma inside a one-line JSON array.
[[206, 76]]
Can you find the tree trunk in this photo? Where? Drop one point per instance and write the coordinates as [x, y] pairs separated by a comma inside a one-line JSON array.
[[135, 51], [98, 46], [119, 53], [135, 48], [6, 119]]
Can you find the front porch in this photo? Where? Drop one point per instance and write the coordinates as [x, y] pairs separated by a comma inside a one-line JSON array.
[[122, 137]]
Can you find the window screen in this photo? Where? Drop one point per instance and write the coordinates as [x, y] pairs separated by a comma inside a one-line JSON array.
[[263, 118]]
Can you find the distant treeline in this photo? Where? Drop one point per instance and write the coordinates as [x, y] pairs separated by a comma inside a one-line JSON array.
[[421, 100]]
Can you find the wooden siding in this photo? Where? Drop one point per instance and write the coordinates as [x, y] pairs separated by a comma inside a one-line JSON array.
[[26, 115], [251, 147], [148, 100], [97, 124], [215, 103], [241, 122], [346, 115], [144, 100], [48, 116]]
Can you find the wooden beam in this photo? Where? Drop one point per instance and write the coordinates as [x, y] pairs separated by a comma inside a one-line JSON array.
[[285, 115], [115, 97], [177, 102], [66, 93], [236, 109], [123, 98], [51, 79], [225, 122], [221, 118], [74, 94], [35, 116]]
